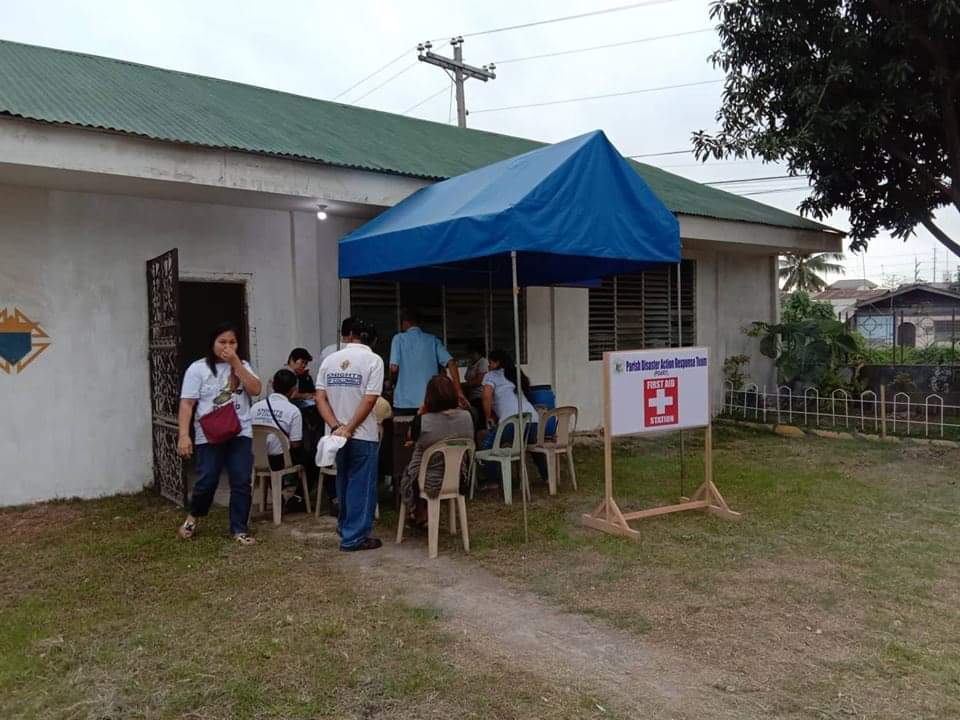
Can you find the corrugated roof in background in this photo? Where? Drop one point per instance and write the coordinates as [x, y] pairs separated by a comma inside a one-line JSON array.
[[58, 86]]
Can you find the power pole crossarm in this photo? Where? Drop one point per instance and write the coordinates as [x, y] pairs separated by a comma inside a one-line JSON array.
[[459, 70]]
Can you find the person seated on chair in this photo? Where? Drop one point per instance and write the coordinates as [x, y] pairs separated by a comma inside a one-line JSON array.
[[500, 402], [276, 411], [473, 381], [440, 418], [299, 364]]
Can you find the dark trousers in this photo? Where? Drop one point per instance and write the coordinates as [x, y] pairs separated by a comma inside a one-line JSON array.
[[357, 490], [236, 455]]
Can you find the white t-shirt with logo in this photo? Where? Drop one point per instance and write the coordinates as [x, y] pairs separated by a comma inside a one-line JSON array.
[[289, 419], [505, 396], [347, 376], [203, 386]]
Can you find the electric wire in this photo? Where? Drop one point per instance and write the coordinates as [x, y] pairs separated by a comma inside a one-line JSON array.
[[601, 47], [578, 16], [385, 82], [805, 188], [379, 70], [597, 97], [753, 179], [658, 154], [428, 98]]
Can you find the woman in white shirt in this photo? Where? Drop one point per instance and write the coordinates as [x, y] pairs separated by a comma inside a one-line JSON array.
[[500, 401], [208, 385]]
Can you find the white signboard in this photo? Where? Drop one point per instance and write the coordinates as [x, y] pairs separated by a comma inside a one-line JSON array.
[[656, 390]]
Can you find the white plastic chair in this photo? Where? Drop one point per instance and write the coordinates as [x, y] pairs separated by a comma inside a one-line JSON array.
[[262, 473], [453, 452], [331, 471], [552, 447], [506, 456]]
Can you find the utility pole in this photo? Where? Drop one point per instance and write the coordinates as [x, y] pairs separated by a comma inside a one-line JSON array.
[[458, 71], [934, 265]]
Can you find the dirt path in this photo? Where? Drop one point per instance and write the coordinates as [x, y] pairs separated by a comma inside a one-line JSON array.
[[635, 678]]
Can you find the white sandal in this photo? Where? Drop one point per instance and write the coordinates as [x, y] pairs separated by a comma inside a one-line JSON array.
[[245, 539], [187, 530]]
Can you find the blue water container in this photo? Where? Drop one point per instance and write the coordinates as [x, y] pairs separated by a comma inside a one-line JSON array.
[[544, 395]]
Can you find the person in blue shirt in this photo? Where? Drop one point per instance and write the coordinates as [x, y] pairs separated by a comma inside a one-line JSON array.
[[415, 357]]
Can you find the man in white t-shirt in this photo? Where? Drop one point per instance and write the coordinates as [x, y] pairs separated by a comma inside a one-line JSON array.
[[333, 347], [348, 385], [278, 412]]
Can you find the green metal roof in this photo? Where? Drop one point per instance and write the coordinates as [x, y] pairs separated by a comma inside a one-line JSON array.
[[71, 88]]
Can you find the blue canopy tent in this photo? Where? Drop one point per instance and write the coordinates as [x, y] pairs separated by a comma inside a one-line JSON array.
[[564, 214]]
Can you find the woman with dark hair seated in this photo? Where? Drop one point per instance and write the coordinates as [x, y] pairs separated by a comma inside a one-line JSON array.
[[500, 402], [440, 418]]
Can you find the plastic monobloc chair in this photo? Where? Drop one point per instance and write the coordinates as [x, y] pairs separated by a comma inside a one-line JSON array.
[[561, 443], [505, 455], [454, 451], [262, 474]]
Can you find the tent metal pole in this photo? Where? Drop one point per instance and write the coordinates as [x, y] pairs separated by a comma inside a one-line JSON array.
[[489, 328], [339, 311], [683, 465], [524, 484]]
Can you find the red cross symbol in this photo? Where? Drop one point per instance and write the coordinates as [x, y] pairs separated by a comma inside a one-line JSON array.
[[660, 402]]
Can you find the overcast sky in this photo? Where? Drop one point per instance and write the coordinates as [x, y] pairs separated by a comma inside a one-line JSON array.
[[319, 49]]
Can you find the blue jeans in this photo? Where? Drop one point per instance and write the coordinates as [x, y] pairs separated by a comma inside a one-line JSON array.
[[492, 469], [237, 456], [357, 464]]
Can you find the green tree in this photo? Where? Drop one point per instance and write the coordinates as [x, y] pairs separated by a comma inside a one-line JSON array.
[[799, 306], [863, 96], [805, 272]]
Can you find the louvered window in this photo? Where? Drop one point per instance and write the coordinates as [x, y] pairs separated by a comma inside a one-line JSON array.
[[639, 311], [459, 316]]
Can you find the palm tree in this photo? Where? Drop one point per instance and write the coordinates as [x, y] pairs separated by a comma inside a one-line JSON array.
[[804, 272]]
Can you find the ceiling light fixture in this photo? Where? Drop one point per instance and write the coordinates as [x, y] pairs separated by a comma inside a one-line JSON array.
[[321, 212]]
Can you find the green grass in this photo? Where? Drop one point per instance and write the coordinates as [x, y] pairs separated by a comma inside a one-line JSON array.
[[834, 596], [103, 614], [857, 540]]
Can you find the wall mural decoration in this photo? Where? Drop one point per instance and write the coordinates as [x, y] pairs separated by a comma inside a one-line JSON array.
[[21, 340]]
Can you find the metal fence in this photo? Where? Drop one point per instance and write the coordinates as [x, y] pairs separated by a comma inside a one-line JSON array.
[[902, 414]]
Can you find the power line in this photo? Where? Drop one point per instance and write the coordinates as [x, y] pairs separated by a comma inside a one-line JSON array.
[[753, 179], [379, 70], [602, 47], [598, 97], [426, 99], [388, 80], [710, 164], [564, 18], [669, 152], [804, 188]]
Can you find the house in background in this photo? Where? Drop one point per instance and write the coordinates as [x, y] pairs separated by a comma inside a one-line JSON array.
[[920, 315], [843, 295], [138, 206]]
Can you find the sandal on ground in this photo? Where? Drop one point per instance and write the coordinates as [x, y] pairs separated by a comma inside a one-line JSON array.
[[244, 539], [187, 530]]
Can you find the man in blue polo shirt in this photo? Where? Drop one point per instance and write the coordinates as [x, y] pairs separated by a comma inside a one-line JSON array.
[[415, 357]]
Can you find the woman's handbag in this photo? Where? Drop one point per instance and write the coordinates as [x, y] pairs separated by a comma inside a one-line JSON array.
[[222, 423]]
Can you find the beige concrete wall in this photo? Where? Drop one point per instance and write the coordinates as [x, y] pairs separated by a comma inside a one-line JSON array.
[[76, 422]]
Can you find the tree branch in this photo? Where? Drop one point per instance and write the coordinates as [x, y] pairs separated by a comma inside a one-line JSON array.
[[919, 32], [940, 235], [949, 192], [951, 128]]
